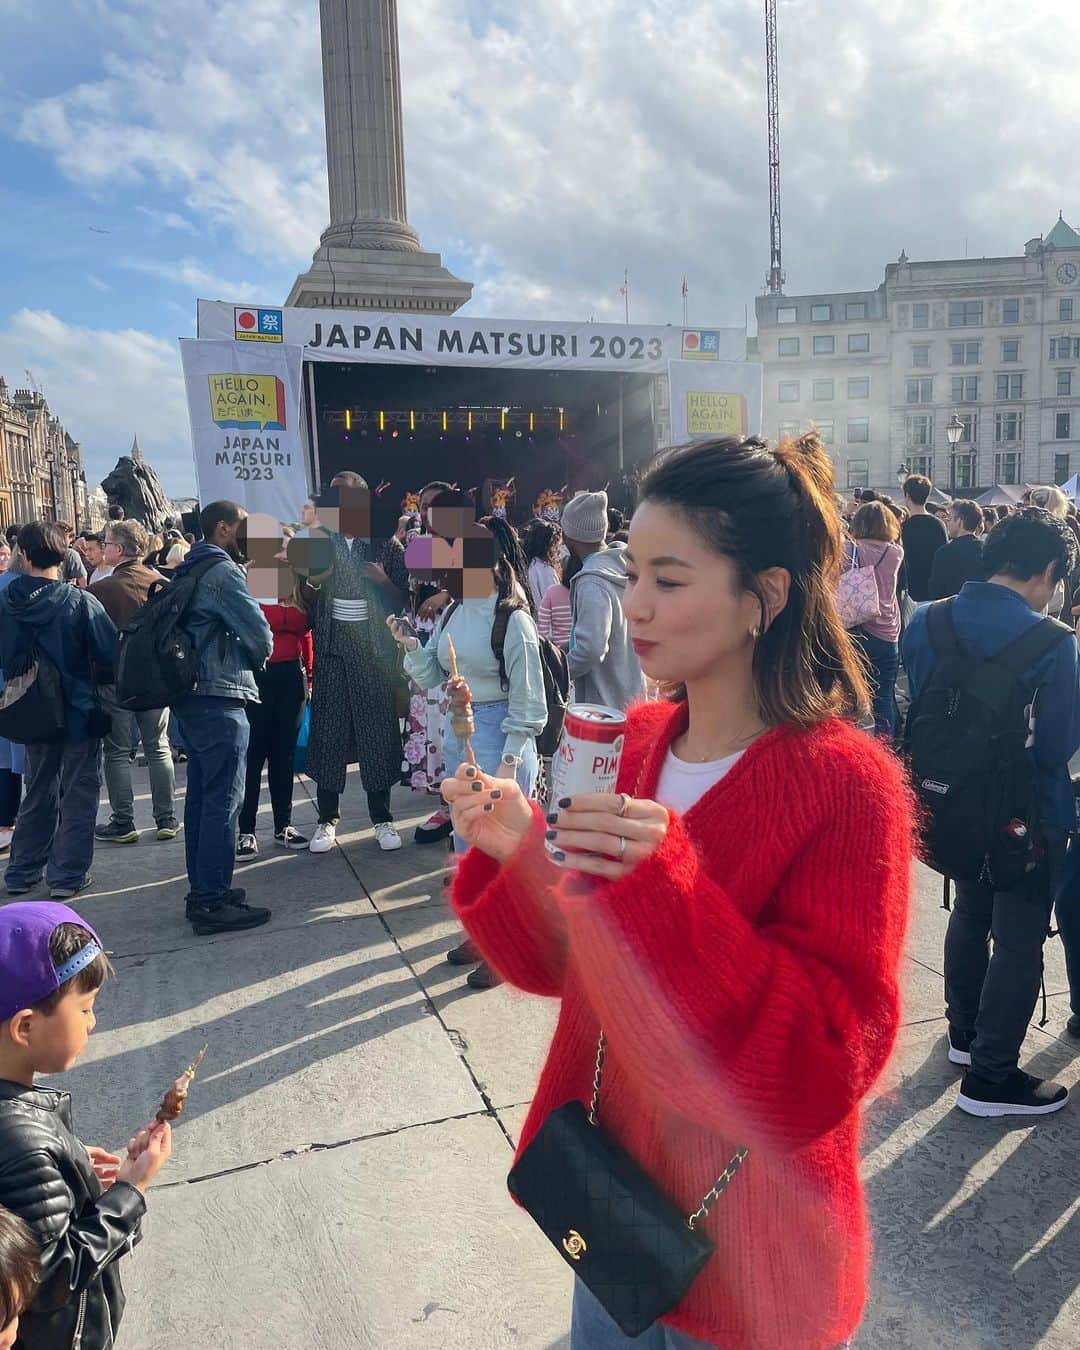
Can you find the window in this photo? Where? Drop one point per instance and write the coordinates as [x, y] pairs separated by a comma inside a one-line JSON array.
[[920, 316], [923, 464], [966, 353], [970, 433], [788, 346], [1065, 311], [788, 429], [921, 390], [1008, 426], [824, 390], [964, 470], [826, 430], [824, 346], [1064, 383], [858, 473], [1010, 349], [1063, 426], [920, 356], [920, 431], [789, 391], [855, 310], [965, 313], [787, 314], [859, 388], [1061, 469], [1007, 466], [965, 389], [1010, 387], [820, 313], [858, 342], [858, 430], [1010, 312], [1065, 349]]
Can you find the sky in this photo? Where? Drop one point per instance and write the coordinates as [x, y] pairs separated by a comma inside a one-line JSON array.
[[151, 154]]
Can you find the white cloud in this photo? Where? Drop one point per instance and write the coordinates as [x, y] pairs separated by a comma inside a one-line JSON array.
[[168, 220], [202, 283], [105, 385]]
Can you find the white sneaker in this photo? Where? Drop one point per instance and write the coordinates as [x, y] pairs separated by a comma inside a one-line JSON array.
[[7, 833], [387, 837], [322, 841]]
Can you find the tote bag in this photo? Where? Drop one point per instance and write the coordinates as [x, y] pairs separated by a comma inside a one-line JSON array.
[[857, 595], [300, 753]]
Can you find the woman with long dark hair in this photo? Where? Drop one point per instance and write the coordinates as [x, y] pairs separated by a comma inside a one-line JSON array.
[[875, 536], [542, 546], [497, 651], [725, 931]]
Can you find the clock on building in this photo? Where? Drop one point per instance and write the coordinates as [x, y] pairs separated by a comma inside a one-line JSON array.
[[1067, 273]]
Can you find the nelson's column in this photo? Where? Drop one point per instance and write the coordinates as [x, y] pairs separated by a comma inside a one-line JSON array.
[[369, 256]]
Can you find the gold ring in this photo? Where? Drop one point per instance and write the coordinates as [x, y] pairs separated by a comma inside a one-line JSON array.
[[626, 799]]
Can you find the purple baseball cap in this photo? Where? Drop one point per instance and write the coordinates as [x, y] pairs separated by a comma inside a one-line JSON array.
[[27, 974]]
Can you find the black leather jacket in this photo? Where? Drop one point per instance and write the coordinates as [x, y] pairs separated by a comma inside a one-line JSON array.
[[46, 1177]]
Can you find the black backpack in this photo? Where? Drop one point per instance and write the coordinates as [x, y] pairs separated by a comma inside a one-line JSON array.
[[32, 703], [556, 678], [967, 744], [158, 662]]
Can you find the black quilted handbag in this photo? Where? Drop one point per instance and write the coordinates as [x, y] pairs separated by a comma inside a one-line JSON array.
[[626, 1240]]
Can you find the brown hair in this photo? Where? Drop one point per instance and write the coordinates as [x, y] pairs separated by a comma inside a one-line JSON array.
[[68, 939], [20, 1267], [968, 513], [917, 489], [763, 509], [874, 520]]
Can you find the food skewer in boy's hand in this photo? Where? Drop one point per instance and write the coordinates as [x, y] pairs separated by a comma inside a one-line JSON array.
[[173, 1102], [461, 714]]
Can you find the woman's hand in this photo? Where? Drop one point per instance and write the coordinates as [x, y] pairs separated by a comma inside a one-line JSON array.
[[401, 634], [105, 1164], [606, 834], [429, 610], [493, 814]]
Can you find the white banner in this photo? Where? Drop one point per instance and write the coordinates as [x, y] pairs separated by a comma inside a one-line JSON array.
[[712, 399], [414, 339], [244, 405]]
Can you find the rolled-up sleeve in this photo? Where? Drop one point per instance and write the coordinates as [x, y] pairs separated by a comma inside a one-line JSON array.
[[526, 714]]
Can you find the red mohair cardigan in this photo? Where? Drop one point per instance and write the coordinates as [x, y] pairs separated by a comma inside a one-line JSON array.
[[746, 977]]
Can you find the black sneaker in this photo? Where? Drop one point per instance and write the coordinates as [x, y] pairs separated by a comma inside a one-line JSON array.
[[1020, 1094], [435, 828], [231, 917], [247, 846], [70, 892], [290, 838], [483, 977], [237, 895], [467, 954], [168, 829], [960, 1047], [117, 832], [1072, 1026]]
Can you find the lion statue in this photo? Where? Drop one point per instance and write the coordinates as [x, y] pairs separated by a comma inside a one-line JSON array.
[[136, 487]]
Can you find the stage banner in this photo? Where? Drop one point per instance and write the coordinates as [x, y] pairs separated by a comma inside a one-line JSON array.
[[721, 398], [436, 340], [244, 405]]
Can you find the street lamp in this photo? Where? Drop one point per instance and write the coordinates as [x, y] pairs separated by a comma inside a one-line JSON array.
[[75, 494], [954, 429], [50, 460], [902, 474]]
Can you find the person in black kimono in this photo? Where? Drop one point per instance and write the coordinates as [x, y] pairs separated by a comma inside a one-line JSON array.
[[354, 719]]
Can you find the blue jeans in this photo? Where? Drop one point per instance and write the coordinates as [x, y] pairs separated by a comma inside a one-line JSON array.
[[487, 743], [884, 658], [54, 830], [592, 1329], [215, 731]]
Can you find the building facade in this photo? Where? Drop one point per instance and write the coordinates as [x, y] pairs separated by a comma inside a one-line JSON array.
[[41, 469], [881, 373]]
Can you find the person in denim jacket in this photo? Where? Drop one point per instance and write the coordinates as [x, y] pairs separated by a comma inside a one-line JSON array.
[[233, 638]]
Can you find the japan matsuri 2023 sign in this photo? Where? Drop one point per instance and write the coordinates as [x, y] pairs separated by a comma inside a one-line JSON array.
[[714, 399], [244, 405], [414, 339]]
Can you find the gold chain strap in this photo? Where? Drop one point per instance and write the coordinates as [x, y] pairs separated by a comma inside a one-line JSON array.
[[722, 1182]]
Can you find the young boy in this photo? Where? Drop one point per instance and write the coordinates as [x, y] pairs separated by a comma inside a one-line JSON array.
[[83, 1205], [19, 1261]]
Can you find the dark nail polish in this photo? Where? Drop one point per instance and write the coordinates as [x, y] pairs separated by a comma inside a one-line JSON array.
[[552, 834], [564, 803], [488, 806], [470, 772], [553, 818], [559, 857], [496, 795], [477, 787]]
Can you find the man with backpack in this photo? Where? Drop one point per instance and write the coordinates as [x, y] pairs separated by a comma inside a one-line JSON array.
[[123, 592], [995, 719], [230, 635], [56, 644]]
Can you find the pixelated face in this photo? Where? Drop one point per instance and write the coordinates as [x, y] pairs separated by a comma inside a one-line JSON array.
[[354, 511], [452, 522], [463, 567]]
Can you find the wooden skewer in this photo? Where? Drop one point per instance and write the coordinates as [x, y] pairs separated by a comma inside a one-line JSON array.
[[455, 676]]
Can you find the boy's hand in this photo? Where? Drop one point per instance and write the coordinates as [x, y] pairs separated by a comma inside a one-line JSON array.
[[105, 1165], [148, 1152]]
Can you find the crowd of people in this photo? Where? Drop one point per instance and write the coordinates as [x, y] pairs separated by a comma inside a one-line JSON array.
[[726, 1006]]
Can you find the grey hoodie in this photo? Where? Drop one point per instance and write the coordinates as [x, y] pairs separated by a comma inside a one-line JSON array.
[[603, 665]]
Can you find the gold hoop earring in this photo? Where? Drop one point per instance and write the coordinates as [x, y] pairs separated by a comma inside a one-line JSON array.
[[755, 632]]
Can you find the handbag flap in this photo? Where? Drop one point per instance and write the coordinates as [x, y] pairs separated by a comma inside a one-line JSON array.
[[628, 1242]]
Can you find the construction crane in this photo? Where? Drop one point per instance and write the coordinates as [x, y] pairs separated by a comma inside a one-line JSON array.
[[776, 278]]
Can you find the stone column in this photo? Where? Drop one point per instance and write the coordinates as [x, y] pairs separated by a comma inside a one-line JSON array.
[[364, 141]]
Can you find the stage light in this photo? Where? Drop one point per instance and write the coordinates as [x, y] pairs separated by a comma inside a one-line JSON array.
[[382, 421], [518, 434], [562, 418], [348, 419], [394, 434], [532, 421], [444, 422], [502, 420], [470, 420], [412, 420]]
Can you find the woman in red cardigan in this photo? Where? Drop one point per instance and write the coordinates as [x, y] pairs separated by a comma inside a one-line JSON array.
[[739, 938]]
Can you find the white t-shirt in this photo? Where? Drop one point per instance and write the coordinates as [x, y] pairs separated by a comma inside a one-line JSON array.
[[682, 785]]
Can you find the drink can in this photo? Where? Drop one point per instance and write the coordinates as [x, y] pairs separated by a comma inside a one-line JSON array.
[[589, 753]]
